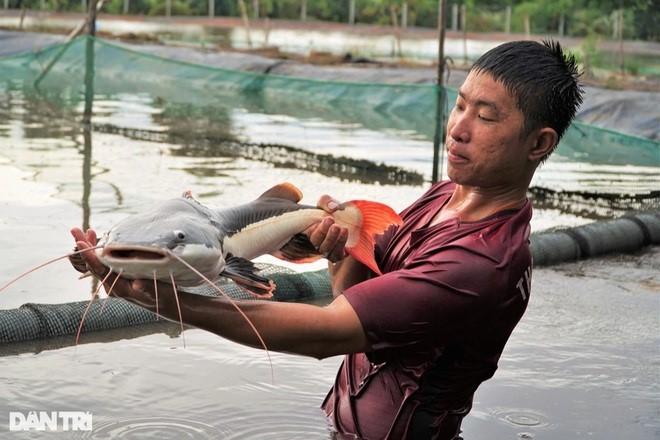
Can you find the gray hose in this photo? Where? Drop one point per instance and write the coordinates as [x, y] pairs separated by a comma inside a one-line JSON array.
[[40, 321], [625, 234]]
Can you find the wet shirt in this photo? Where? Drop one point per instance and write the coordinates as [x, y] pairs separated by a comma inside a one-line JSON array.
[[437, 319]]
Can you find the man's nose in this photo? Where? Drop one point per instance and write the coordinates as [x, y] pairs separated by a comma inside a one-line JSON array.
[[459, 129]]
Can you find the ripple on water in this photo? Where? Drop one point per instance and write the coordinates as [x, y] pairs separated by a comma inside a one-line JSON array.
[[521, 417], [276, 424], [161, 428]]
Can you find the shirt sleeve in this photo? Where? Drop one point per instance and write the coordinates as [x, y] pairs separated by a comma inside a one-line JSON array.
[[429, 303]]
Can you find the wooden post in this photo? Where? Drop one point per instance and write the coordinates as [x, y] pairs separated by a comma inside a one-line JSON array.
[[454, 17], [621, 53], [464, 29], [562, 24], [404, 15], [87, 123], [168, 8], [91, 20], [246, 21], [6, 4], [507, 22], [211, 8], [255, 9], [303, 10], [351, 12], [441, 95], [126, 6], [528, 29]]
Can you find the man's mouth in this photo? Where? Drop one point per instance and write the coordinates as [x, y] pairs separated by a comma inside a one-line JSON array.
[[454, 157]]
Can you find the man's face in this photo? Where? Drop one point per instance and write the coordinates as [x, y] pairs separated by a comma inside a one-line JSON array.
[[484, 143]]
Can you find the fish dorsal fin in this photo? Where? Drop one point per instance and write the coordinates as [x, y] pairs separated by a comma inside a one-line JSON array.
[[284, 190]]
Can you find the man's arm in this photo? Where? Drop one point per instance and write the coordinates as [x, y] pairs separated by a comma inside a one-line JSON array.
[[289, 327]]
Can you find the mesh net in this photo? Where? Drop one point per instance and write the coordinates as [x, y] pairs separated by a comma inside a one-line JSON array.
[[192, 89], [41, 321]]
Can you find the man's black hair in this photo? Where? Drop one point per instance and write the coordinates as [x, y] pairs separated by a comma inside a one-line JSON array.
[[542, 79]]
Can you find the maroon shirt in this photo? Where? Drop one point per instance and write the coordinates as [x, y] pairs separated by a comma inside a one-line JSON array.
[[437, 319]]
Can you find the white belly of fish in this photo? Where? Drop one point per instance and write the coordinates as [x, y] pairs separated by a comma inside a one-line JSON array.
[[271, 234]]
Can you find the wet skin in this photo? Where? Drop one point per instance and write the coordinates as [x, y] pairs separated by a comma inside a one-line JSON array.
[[489, 157]]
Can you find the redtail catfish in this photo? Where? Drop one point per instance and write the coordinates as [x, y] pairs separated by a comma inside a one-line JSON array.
[[221, 242]]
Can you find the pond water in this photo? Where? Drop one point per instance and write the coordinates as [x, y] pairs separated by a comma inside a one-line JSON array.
[[567, 372]]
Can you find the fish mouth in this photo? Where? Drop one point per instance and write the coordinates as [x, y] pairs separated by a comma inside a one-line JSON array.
[[134, 253]]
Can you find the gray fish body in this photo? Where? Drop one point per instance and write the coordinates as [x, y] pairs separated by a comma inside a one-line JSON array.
[[205, 238], [221, 242]]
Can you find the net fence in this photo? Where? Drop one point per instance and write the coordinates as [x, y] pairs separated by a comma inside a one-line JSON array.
[[196, 92]]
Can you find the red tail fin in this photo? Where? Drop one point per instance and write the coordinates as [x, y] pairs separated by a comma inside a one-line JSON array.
[[365, 220]]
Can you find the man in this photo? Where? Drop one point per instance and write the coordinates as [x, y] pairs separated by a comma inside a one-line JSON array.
[[456, 275]]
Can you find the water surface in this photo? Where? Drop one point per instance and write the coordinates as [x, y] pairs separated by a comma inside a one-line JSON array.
[[582, 364]]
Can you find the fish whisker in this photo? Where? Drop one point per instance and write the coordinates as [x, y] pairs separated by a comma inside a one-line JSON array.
[[156, 292], [112, 286], [233, 303], [89, 305], [26, 273], [178, 306]]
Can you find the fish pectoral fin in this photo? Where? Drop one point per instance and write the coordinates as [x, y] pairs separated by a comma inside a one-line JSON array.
[[298, 250], [244, 273]]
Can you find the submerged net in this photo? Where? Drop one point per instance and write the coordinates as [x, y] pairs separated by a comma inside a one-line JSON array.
[[42, 321]]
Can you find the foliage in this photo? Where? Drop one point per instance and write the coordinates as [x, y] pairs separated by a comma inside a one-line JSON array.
[[579, 17]]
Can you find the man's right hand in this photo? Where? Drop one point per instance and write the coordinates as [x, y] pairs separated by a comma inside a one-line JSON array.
[[329, 238]]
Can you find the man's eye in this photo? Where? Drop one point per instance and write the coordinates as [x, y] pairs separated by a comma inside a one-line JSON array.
[[485, 118]]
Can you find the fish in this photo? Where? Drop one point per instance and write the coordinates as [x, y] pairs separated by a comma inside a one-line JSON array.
[[164, 241]]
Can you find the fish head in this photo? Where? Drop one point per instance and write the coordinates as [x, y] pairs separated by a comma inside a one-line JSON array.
[[142, 245]]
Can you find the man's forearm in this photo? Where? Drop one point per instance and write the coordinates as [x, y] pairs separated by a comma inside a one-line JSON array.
[[288, 327], [347, 273]]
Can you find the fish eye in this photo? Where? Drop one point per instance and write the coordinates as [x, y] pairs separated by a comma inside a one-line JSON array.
[[180, 235]]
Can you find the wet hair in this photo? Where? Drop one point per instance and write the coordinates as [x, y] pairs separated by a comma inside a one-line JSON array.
[[542, 79]]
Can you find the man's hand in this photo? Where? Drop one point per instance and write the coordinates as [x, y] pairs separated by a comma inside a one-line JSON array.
[[326, 236], [140, 292]]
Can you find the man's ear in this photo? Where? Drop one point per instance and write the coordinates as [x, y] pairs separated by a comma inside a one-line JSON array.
[[546, 139]]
